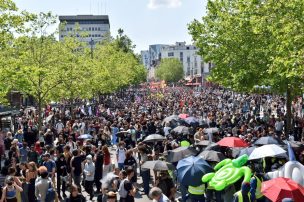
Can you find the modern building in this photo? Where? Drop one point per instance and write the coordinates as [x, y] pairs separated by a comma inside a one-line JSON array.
[[89, 28], [145, 58], [195, 68]]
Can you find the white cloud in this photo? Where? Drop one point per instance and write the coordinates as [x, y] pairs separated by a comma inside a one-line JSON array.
[[154, 4]]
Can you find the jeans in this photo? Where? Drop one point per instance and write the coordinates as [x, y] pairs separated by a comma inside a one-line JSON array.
[[114, 139], [88, 186], [145, 174], [59, 185], [121, 166], [77, 180]]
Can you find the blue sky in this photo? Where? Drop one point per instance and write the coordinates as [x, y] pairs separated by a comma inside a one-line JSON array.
[[144, 21]]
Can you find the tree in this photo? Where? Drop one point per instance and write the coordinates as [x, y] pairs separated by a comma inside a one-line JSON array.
[[11, 21], [170, 70], [254, 42]]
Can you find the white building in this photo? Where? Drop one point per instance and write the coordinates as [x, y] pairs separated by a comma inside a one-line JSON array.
[[194, 65], [93, 26]]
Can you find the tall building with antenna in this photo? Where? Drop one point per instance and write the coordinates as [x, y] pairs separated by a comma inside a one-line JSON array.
[[88, 28]]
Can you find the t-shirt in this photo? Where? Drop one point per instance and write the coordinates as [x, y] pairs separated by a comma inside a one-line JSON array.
[[121, 155], [129, 187], [49, 165], [77, 165]]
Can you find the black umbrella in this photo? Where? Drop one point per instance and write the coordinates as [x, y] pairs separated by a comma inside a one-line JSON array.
[[213, 146], [181, 130], [242, 151], [158, 165], [268, 140], [170, 118], [211, 155], [154, 138], [180, 153]]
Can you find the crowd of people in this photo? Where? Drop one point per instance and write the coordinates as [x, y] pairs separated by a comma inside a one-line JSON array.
[[100, 149]]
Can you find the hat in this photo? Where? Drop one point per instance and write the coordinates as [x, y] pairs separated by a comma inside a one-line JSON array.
[[89, 157], [20, 131], [15, 141], [47, 155]]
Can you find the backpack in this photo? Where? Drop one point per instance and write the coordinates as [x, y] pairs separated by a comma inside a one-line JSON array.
[[50, 194], [122, 191]]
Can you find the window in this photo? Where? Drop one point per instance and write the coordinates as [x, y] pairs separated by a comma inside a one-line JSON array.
[[61, 36], [98, 28], [89, 28], [188, 59], [171, 54]]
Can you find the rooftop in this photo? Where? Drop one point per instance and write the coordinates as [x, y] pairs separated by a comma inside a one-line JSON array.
[[83, 17]]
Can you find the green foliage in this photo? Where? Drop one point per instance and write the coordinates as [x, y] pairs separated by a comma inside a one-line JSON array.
[[253, 42], [170, 70]]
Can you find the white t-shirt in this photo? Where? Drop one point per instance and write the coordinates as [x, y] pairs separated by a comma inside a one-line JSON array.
[[121, 155]]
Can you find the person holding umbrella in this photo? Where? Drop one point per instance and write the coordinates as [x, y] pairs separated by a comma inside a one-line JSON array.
[[196, 193], [243, 195]]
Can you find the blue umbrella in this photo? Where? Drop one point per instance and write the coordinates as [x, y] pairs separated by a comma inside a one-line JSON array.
[[268, 140], [191, 170], [247, 151], [85, 136]]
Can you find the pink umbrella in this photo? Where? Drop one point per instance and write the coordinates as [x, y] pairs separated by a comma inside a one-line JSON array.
[[183, 116]]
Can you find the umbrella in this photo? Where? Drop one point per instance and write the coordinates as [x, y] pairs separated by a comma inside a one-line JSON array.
[[268, 140], [247, 150], [191, 120], [213, 146], [181, 130], [170, 118], [211, 155], [85, 136], [232, 142], [183, 116], [158, 165], [279, 188], [266, 151], [295, 145], [211, 130], [179, 153], [204, 143], [154, 138], [191, 170]]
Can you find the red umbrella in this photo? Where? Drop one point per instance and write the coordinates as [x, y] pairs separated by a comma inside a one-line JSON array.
[[183, 116], [279, 188], [232, 142]]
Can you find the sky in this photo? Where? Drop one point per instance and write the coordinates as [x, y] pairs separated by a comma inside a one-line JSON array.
[[146, 22]]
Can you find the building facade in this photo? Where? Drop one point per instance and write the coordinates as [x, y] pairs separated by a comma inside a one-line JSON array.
[[145, 58], [88, 28], [194, 65]]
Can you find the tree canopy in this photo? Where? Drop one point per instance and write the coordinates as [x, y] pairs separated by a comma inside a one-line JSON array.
[[254, 43], [170, 70]]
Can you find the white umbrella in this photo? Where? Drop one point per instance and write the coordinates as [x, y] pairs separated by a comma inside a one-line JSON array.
[[268, 150]]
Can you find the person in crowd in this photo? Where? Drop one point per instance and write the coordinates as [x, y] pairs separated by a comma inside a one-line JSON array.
[[10, 190], [76, 166], [145, 173], [126, 189], [130, 162], [43, 183], [61, 175], [165, 183], [89, 172], [50, 165], [31, 175], [107, 165], [121, 155], [98, 159], [244, 194], [157, 195], [75, 196]]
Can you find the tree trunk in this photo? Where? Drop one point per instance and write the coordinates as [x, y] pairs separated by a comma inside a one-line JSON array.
[[288, 107], [39, 114]]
